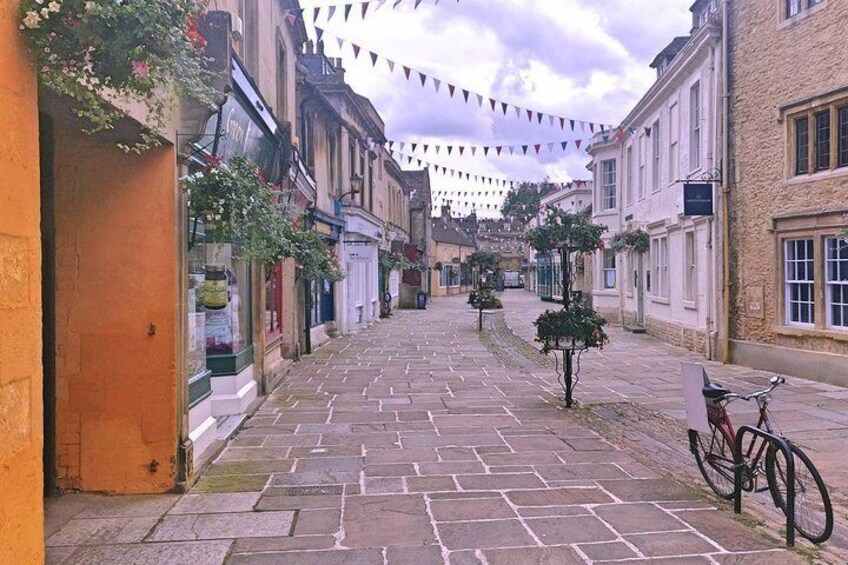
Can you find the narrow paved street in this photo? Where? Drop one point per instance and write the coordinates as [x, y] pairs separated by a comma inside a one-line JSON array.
[[411, 443]]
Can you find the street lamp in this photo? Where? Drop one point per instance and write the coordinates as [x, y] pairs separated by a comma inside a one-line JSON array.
[[356, 184]]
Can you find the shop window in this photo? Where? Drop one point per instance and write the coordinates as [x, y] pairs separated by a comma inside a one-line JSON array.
[[836, 291], [799, 273]]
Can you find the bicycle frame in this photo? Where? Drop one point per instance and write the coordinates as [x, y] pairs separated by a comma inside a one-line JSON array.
[[722, 420]]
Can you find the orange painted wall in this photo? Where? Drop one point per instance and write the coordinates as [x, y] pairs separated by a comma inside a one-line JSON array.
[[116, 274], [21, 510]]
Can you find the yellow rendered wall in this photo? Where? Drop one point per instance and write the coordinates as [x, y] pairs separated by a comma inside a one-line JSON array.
[[116, 276], [21, 509]]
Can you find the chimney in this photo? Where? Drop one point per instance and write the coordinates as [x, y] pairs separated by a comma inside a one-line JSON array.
[[309, 47], [446, 211], [320, 47]]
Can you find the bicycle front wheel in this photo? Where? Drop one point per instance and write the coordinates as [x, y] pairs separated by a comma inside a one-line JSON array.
[[714, 455], [813, 511]]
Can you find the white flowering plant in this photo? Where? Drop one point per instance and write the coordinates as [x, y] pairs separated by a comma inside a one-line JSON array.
[[235, 204], [95, 52]]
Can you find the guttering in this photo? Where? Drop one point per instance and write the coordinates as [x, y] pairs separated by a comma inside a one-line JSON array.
[[725, 177]]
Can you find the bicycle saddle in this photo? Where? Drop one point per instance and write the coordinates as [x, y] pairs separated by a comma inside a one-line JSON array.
[[714, 390]]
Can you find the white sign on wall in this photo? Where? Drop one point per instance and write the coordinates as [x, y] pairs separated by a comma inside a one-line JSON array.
[[694, 379]]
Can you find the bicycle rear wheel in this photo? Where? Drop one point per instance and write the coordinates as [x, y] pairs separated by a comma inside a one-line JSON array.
[[714, 455], [813, 510]]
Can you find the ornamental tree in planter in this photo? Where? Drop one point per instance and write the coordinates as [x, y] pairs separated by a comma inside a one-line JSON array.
[[576, 327], [483, 299], [98, 52]]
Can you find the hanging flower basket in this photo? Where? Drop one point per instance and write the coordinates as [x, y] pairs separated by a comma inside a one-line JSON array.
[[575, 327], [236, 204], [629, 240], [96, 52], [484, 299], [438, 266]]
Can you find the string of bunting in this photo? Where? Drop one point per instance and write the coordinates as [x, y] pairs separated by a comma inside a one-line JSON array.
[[497, 150], [453, 90], [347, 8], [454, 173]]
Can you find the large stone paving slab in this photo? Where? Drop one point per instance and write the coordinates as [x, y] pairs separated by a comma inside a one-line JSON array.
[[411, 443]]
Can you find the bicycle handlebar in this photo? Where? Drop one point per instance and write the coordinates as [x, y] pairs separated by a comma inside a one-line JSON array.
[[775, 382]]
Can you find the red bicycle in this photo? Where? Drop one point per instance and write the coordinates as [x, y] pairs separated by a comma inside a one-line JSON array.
[[714, 453]]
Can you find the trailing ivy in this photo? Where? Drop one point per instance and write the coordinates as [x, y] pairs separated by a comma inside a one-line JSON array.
[[630, 239], [97, 52], [237, 205]]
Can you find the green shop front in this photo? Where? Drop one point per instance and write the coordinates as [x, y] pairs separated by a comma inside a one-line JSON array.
[[225, 314]]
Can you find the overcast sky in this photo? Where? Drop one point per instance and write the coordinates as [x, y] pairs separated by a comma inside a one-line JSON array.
[[583, 59]]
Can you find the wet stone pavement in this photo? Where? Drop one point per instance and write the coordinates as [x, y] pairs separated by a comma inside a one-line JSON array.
[[411, 443]]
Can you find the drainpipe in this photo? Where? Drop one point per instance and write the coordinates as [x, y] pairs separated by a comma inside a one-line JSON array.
[[725, 182]]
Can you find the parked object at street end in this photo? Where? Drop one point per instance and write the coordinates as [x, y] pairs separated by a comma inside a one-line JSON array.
[[513, 279]]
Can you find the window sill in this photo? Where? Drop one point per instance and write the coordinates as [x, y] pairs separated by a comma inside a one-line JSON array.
[[838, 172], [660, 300], [811, 331], [690, 305], [800, 16], [606, 292]]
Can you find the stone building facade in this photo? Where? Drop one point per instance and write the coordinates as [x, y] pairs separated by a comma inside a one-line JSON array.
[[788, 187]]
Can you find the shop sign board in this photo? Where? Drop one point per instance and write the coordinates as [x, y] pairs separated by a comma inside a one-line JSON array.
[[697, 199]]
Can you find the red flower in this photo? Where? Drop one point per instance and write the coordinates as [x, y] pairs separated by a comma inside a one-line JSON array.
[[194, 34]]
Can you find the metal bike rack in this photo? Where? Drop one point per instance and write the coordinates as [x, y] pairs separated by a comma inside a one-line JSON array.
[[739, 465]]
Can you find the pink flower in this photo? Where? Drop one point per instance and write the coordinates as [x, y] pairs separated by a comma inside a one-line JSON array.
[[140, 68]]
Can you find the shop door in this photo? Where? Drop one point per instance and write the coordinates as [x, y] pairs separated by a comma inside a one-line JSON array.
[[48, 302]]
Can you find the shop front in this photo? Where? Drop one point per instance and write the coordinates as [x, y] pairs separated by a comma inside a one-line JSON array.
[[226, 323], [321, 293], [361, 297]]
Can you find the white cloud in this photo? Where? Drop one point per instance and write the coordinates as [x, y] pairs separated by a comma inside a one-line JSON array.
[[586, 59]]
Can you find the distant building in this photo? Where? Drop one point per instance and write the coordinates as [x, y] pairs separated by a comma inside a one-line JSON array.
[[451, 246]]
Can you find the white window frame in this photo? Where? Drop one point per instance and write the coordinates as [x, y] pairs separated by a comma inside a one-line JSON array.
[[659, 266], [695, 126], [673, 146], [656, 148], [690, 264], [642, 159], [608, 180], [608, 270], [791, 280], [840, 281], [630, 174]]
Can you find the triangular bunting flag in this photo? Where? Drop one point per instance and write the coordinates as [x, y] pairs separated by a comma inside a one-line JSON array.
[[486, 151], [572, 124], [465, 95], [499, 148], [437, 83], [451, 89], [539, 117], [356, 49], [538, 148], [450, 149], [391, 65], [423, 78], [347, 10], [319, 33], [426, 147], [512, 150], [550, 147], [492, 103], [364, 9], [577, 143], [373, 59], [417, 2], [592, 127], [562, 123], [461, 150], [551, 119], [480, 100], [414, 147], [529, 115], [504, 106], [340, 42], [524, 148], [564, 145], [517, 112], [331, 13], [406, 71]]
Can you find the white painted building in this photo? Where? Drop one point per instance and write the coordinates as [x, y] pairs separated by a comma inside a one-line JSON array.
[[543, 275], [672, 135]]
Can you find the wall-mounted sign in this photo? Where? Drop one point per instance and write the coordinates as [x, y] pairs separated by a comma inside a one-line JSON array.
[[698, 199]]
